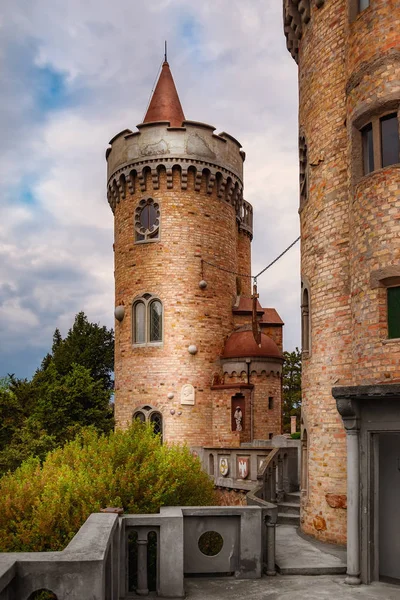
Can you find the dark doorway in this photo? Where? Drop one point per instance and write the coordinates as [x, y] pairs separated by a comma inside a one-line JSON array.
[[389, 502]]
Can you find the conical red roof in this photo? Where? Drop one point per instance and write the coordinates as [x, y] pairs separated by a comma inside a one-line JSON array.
[[165, 104]]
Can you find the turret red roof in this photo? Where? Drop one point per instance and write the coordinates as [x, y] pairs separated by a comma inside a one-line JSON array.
[[165, 104], [241, 344]]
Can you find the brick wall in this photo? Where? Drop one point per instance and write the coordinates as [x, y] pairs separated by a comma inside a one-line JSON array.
[[348, 72], [324, 263], [267, 420], [193, 224]]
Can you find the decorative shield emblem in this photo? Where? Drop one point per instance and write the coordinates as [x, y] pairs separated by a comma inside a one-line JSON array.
[[242, 466], [223, 466]]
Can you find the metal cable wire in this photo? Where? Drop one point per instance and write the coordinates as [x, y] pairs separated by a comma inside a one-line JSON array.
[[223, 269], [206, 262], [277, 258]]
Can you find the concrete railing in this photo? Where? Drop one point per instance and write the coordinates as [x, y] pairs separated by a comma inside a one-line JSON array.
[[240, 468], [98, 563], [179, 551], [279, 474], [233, 468], [87, 568]]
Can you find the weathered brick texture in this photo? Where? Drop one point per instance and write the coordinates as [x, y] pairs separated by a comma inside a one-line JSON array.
[[349, 72]]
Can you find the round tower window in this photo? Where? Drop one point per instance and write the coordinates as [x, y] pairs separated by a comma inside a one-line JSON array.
[[147, 221]]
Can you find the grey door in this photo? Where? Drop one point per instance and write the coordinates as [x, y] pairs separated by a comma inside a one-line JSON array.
[[389, 505]]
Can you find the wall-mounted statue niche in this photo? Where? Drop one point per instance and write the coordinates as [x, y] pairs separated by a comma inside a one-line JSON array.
[[238, 412]]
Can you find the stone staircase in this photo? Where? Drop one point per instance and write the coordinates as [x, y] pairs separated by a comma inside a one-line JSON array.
[[289, 509]]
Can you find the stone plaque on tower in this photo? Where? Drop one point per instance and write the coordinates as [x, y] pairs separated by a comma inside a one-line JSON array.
[[187, 394]]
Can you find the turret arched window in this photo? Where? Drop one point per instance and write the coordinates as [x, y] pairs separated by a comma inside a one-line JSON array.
[[147, 414], [147, 321]]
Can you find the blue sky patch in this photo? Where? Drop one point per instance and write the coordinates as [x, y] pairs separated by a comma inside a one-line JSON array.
[[49, 88], [190, 33], [26, 195]]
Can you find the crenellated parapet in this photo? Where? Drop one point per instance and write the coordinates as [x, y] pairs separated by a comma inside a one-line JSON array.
[[296, 14], [214, 163]]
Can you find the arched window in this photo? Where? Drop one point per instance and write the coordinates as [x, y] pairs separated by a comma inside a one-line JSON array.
[[155, 309], [147, 414], [139, 416], [147, 221], [305, 320], [304, 462], [303, 170], [156, 421], [139, 310], [147, 321]]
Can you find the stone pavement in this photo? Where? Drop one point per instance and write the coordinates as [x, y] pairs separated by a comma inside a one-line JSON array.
[[287, 587], [297, 554], [311, 572]]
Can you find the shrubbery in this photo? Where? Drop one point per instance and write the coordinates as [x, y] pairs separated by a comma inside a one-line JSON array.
[[43, 506]]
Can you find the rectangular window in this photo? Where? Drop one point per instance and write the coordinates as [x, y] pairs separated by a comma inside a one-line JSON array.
[[390, 140], [270, 402], [367, 148], [362, 5], [393, 312], [270, 436]]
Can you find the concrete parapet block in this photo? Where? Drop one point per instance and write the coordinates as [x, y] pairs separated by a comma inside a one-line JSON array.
[[77, 572]]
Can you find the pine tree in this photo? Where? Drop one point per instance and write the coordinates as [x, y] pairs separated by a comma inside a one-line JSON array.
[[291, 387]]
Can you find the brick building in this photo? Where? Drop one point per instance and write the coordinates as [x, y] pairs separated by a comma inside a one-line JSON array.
[[185, 355], [348, 53]]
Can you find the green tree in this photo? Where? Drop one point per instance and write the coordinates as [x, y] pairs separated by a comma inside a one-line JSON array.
[[72, 389], [291, 387], [66, 403], [86, 344]]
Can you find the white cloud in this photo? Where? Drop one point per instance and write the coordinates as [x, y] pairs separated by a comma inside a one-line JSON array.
[[232, 70]]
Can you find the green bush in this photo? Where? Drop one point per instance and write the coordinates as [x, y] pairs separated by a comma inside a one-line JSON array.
[[295, 436], [43, 506]]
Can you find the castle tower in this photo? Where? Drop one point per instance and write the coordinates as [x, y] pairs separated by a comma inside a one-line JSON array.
[[349, 83], [182, 235]]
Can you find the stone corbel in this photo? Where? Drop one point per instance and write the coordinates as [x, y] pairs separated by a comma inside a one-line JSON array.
[[197, 181], [169, 179], [121, 187], [210, 185], [155, 179], [349, 411], [221, 189], [184, 178], [131, 182], [142, 181]]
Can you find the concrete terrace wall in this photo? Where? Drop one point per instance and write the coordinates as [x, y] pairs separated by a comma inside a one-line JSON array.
[[95, 566]]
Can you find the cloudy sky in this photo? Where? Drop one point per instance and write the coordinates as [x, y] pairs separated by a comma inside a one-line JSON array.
[[74, 73]]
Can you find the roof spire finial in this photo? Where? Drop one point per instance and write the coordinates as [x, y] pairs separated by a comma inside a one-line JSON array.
[[164, 104], [165, 52]]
